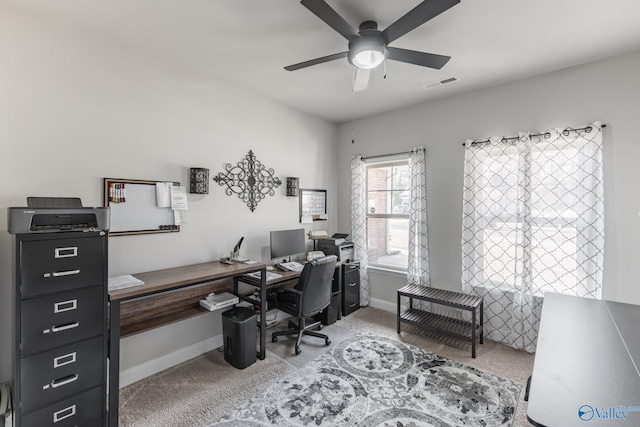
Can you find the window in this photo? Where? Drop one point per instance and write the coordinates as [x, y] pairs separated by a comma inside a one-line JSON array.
[[551, 227], [388, 214], [532, 222], [533, 216]]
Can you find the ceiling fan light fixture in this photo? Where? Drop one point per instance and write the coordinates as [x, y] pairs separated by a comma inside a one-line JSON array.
[[368, 52], [368, 59]]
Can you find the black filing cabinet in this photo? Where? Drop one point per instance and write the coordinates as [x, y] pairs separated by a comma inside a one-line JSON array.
[[60, 340], [350, 287], [332, 313]]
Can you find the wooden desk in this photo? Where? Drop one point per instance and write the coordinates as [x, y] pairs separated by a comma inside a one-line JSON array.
[[170, 280], [586, 363]]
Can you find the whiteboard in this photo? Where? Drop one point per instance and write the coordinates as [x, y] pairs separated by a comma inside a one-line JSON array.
[[138, 213]]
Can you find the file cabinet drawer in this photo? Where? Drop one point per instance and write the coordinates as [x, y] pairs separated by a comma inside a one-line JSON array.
[[55, 320], [350, 288], [62, 264], [60, 373], [83, 410]]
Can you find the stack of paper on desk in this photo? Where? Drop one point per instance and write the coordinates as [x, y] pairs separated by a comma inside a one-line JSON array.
[[270, 275], [122, 282]]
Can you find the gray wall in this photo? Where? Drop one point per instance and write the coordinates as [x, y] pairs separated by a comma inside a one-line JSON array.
[[607, 90], [76, 108]]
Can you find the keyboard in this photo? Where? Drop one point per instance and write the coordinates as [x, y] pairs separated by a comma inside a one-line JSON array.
[[291, 266]]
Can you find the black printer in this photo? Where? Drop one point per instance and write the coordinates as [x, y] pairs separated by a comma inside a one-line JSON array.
[[337, 245], [50, 215]]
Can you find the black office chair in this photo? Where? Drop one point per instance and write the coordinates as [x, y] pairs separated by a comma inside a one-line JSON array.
[[309, 297]]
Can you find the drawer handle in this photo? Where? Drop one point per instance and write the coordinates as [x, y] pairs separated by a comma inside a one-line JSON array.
[[352, 305], [63, 306], [70, 251], [62, 273], [67, 359], [64, 413], [61, 382], [352, 284], [62, 328]]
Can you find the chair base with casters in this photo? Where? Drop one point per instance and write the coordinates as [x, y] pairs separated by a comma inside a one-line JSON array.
[[301, 329]]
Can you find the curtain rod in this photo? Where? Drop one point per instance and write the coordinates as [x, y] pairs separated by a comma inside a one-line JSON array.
[[391, 154], [545, 135]]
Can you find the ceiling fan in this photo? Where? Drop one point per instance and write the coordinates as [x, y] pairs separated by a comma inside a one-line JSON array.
[[369, 47]]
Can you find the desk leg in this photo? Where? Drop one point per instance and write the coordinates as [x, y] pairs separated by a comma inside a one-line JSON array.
[[482, 322], [260, 354], [398, 315], [263, 314], [341, 288], [473, 333], [114, 362]]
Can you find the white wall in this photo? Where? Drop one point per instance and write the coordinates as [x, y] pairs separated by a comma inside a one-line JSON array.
[[607, 90], [76, 108]]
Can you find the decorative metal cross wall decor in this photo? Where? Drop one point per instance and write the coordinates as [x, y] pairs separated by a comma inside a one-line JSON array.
[[249, 179]]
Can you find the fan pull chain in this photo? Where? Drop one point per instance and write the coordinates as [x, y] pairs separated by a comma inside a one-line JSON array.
[[384, 64], [353, 118], [353, 112]]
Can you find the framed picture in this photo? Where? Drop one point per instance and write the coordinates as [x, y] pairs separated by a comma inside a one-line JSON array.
[[313, 205]]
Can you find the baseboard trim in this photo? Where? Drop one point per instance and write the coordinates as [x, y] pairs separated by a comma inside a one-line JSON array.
[[383, 305], [143, 370]]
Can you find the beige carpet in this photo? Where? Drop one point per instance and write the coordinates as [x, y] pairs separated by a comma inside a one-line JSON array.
[[205, 388], [197, 391]]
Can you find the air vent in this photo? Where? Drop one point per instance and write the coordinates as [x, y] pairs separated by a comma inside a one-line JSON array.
[[437, 83]]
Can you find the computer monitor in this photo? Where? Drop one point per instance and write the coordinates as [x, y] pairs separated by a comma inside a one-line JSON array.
[[285, 243]]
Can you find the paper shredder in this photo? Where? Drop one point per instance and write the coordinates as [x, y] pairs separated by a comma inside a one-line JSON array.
[[239, 334]]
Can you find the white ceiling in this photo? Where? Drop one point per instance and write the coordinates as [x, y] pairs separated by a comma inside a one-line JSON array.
[[248, 42]]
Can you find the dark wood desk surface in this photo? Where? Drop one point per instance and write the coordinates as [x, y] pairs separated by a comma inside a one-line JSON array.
[[586, 362], [285, 276], [177, 277]]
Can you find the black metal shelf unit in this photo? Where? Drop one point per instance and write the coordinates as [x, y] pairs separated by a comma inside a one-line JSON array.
[[442, 324]]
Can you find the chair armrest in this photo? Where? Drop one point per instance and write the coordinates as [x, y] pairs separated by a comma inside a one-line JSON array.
[[288, 296]]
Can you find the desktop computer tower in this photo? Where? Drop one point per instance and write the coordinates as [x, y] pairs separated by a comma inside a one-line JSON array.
[[329, 315], [239, 335], [332, 313]]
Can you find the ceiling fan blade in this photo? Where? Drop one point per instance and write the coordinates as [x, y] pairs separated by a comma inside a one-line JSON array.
[[361, 79], [316, 61], [430, 60], [417, 16], [323, 11]]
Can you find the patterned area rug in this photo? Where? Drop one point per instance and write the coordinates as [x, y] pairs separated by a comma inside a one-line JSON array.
[[370, 380]]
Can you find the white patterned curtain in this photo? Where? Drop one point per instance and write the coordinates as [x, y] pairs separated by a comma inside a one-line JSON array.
[[532, 222], [418, 265], [359, 223]]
